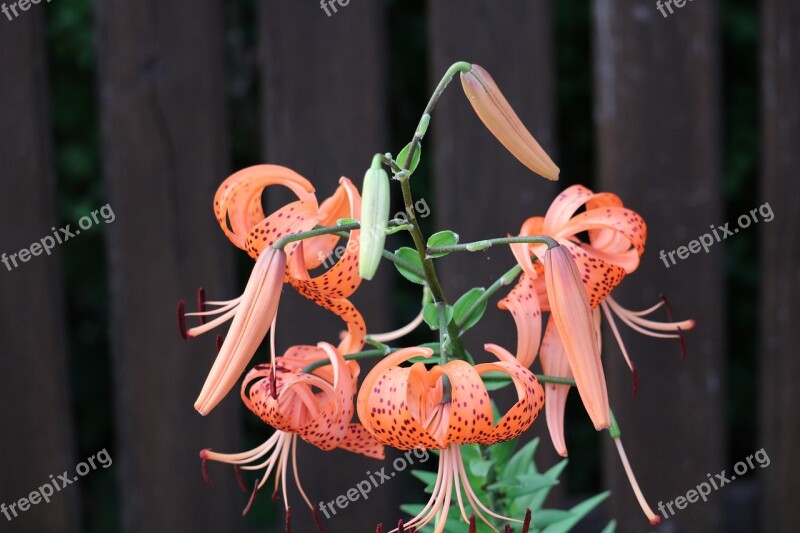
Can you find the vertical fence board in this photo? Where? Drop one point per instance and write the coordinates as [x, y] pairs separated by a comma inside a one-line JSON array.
[[657, 112], [481, 190], [164, 153], [780, 256], [35, 410], [325, 115]]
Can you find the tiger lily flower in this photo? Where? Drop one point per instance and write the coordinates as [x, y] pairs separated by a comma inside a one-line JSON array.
[[316, 407], [442, 408], [238, 209], [237, 206], [617, 238]]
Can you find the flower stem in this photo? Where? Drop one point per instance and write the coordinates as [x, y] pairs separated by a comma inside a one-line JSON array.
[[316, 232], [488, 243], [455, 68], [505, 279]]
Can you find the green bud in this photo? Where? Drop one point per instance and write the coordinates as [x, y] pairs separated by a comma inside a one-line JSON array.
[[374, 216]]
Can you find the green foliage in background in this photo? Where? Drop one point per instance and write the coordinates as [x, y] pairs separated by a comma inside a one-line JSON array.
[[509, 483]]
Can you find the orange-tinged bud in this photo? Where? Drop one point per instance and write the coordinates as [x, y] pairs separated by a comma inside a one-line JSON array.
[[577, 329], [498, 116]]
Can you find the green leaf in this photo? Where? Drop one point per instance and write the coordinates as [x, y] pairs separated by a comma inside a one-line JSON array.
[[546, 517], [410, 255], [480, 467], [537, 500], [401, 157], [442, 238], [429, 478], [463, 306], [430, 313], [610, 528], [502, 451], [577, 514], [520, 460]]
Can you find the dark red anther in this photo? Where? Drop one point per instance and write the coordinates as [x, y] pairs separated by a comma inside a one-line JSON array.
[[682, 340], [317, 521], [204, 466], [240, 478], [275, 494], [201, 303], [635, 380], [527, 522], [379, 529], [400, 528], [507, 529], [220, 340], [655, 520], [289, 519], [252, 498], [182, 319], [472, 527], [273, 384]]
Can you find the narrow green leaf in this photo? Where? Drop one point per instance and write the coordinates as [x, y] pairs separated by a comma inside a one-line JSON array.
[[442, 238], [430, 313], [463, 306], [403, 155], [610, 528], [410, 255], [577, 514]]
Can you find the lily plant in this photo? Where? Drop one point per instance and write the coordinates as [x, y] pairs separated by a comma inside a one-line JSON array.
[[564, 264]]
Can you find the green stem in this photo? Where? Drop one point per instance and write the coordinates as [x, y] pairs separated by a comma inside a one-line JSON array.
[[326, 230], [422, 127], [488, 243], [555, 380], [505, 279], [613, 430]]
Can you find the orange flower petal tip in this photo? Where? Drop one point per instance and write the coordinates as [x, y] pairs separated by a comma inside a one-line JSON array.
[[497, 115]]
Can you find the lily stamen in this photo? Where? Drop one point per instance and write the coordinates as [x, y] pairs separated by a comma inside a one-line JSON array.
[[651, 516], [390, 336]]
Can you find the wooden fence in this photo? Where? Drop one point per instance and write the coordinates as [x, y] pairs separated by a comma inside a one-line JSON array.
[[327, 102]]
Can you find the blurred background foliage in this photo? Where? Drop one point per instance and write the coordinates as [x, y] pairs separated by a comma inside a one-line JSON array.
[[72, 70]]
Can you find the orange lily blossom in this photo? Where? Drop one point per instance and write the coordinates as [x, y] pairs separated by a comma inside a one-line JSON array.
[[442, 408], [316, 407], [617, 237], [237, 205]]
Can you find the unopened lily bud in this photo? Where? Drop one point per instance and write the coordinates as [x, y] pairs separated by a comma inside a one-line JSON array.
[[572, 315], [498, 116], [374, 216]]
